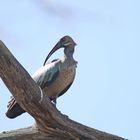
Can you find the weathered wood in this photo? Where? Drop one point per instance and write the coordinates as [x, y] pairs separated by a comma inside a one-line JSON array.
[[50, 123]]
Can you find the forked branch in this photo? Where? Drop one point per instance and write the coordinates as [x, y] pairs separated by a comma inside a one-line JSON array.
[[50, 123]]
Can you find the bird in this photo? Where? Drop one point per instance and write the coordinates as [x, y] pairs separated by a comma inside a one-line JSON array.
[[54, 77]]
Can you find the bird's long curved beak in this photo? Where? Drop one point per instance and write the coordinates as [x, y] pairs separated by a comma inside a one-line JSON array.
[[54, 49]]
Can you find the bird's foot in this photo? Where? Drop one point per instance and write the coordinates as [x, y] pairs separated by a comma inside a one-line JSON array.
[[54, 102]]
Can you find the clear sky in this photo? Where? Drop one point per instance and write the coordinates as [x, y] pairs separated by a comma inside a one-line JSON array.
[[106, 92]]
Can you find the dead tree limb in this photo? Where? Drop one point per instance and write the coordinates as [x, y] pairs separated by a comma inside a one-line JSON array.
[[50, 123]]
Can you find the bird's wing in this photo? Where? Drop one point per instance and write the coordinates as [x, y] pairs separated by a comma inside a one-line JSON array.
[[46, 74], [62, 92]]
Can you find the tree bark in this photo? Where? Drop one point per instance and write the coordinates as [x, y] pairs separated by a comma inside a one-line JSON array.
[[50, 123]]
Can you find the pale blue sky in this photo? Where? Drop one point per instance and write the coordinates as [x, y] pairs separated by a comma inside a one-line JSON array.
[[106, 91]]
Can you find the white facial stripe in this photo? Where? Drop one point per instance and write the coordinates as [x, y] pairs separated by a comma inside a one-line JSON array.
[[66, 44]]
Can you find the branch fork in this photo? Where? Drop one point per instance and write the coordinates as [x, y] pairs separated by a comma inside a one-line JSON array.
[[50, 123]]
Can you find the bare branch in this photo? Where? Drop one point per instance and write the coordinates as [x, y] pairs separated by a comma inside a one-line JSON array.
[[50, 123]]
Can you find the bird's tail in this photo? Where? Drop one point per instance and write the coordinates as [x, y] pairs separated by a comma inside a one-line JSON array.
[[14, 109]]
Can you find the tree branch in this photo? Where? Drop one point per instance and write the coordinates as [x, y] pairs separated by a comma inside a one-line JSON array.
[[50, 123]]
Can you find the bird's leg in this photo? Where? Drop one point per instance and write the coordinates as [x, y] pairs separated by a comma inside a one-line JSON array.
[[54, 101]]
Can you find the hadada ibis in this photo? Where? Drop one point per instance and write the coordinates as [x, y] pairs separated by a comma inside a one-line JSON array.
[[55, 77]]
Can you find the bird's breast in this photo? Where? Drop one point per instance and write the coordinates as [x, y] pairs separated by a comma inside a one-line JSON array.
[[64, 78]]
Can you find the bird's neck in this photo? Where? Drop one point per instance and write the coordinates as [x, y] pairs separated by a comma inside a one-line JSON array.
[[68, 58], [68, 54]]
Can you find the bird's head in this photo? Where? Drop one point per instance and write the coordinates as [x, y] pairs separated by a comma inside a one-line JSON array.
[[65, 42]]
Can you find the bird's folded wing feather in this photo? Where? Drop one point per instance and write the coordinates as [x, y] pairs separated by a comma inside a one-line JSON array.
[[44, 76]]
